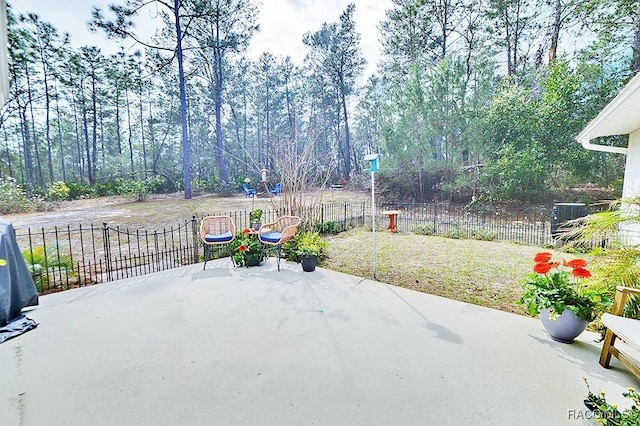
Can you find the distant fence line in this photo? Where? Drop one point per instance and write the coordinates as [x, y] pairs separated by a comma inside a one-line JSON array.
[[527, 225], [70, 256]]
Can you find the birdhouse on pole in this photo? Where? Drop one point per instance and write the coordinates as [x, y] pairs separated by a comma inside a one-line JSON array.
[[374, 162]]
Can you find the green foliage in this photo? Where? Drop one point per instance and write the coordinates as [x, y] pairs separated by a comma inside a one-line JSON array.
[[610, 414], [13, 198], [58, 191], [255, 216], [46, 264], [516, 174], [556, 287], [483, 234], [198, 185], [140, 188], [79, 190], [617, 263], [107, 188], [426, 229], [455, 232], [309, 243], [245, 246], [329, 228]]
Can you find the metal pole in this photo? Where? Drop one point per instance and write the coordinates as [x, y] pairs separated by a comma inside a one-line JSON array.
[[373, 222]]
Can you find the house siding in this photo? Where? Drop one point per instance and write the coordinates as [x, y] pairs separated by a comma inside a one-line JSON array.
[[631, 189]]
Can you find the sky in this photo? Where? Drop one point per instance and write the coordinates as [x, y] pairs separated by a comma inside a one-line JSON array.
[[282, 23]]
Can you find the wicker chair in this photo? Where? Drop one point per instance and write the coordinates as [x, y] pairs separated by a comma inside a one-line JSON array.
[[217, 230], [276, 233]]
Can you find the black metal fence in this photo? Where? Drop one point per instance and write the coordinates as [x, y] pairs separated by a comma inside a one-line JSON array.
[[525, 225], [63, 257]]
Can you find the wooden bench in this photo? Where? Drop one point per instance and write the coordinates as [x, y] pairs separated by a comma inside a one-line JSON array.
[[625, 329]]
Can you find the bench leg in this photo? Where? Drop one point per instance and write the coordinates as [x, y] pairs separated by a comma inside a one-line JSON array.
[[605, 355]]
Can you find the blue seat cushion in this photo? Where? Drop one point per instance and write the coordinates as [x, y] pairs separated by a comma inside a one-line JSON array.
[[219, 238], [271, 237]]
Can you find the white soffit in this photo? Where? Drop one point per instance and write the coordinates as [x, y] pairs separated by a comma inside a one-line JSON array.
[[620, 117]]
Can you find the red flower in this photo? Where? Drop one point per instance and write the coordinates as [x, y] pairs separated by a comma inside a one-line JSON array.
[[581, 273], [577, 263], [542, 268], [246, 230], [542, 257], [243, 248]]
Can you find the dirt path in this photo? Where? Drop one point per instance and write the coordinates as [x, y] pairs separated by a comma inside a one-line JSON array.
[[70, 213], [158, 211]]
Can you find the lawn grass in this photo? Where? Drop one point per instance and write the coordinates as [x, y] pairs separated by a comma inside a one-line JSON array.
[[486, 273]]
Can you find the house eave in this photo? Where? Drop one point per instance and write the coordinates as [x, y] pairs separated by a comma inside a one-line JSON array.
[[619, 117]]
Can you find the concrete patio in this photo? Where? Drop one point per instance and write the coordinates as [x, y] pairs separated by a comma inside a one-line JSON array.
[[257, 346]]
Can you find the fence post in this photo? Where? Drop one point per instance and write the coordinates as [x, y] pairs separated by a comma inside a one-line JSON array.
[[194, 231], [344, 222], [435, 218], [107, 250]]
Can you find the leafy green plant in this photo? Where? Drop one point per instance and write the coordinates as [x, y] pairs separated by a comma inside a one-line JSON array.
[[609, 414], [426, 229], [309, 244], [245, 246], [256, 215], [58, 191], [556, 286], [13, 198], [455, 232], [79, 190], [330, 228], [43, 263], [484, 234], [618, 261], [139, 188]]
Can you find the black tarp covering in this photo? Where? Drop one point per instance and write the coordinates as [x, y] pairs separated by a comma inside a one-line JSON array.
[[17, 289]]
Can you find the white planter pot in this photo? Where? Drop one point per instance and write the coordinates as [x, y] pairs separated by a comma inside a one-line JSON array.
[[565, 328]]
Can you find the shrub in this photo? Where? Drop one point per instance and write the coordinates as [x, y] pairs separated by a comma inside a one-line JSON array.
[[13, 198], [139, 188], [426, 229], [304, 242], [109, 187], [43, 263], [58, 191], [330, 228], [484, 234], [455, 232], [79, 190]]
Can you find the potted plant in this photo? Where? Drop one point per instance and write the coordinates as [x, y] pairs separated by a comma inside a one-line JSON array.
[[308, 256], [555, 293], [246, 249], [605, 413], [256, 219], [310, 247]]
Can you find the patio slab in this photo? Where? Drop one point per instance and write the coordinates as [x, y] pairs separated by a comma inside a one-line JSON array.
[[257, 346]]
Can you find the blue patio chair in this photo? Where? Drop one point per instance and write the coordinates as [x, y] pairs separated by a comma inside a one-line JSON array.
[[275, 191], [276, 233], [217, 230], [248, 191]]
